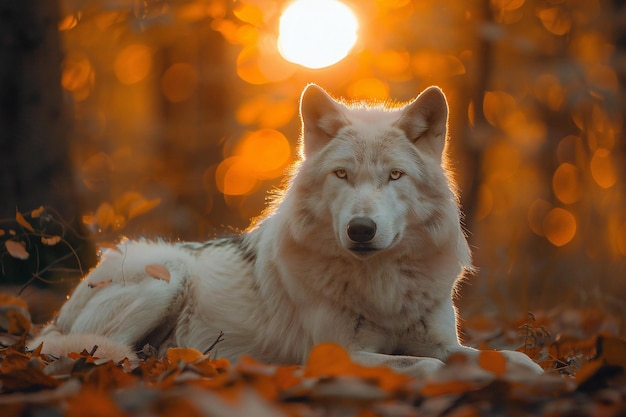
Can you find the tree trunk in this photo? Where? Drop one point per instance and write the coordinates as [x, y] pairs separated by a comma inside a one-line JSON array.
[[35, 168], [34, 158]]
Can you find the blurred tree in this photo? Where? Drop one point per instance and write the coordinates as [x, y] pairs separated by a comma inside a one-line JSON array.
[[34, 157], [35, 168]]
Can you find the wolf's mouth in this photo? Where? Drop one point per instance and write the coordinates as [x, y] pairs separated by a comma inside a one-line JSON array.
[[363, 249]]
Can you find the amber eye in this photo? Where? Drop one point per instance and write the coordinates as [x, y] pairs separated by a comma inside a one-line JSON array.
[[341, 173], [395, 174]]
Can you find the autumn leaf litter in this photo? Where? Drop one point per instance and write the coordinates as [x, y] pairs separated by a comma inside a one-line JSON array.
[[585, 375]]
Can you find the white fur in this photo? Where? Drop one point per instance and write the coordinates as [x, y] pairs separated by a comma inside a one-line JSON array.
[[298, 277]]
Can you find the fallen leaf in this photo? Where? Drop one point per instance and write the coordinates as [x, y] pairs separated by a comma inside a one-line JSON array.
[[176, 407], [187, 355], [142, 206], [94, 404], [22, 221], [492, 361], [16, 249], [330, 359], [37, 212], [612, 351], [436, 389], [105, 216], [18, 321], [27, 379], [99, 284], [50, 241], [158, 271], [107, 377]]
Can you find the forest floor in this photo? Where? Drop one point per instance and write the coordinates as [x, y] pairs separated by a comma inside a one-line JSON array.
[[583, 357]]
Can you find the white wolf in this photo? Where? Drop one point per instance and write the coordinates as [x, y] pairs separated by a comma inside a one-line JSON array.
[[363, 249]]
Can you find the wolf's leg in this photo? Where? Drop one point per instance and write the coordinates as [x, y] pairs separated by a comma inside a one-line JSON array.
[[412, 365], [517, 359], [120, 301], [422, 366]]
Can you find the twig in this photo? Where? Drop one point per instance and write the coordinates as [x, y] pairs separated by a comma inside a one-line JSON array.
[[219, 339], [37, 275]]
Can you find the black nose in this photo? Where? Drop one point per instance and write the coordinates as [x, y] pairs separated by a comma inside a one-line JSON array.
[[361, 229]]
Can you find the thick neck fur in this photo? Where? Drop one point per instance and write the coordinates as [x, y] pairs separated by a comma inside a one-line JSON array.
[[384, 285]]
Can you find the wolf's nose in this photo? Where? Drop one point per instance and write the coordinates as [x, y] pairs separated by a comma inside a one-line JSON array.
[[361, 229]]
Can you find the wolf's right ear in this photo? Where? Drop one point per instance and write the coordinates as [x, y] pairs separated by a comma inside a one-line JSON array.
[[322, 117]]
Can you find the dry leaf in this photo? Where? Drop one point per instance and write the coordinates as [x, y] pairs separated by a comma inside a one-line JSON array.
[[612, 350], [14, 315], [50, 241], [16, 249], [492, 361], [37, 212], [99, 284], [94, 403], [105, 215], [122, 204], [22, 221], [142, 206], [158, 271], [435, 389], [330, 359], [89, 219], [188, 355]]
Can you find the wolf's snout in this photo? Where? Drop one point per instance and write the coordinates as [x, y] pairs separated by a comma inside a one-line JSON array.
[[361, 229]]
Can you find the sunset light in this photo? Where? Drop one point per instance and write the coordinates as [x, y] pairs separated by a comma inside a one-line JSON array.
[[317, 33]]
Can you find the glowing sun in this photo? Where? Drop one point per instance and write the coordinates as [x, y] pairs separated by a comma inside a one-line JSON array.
[[316, 33]]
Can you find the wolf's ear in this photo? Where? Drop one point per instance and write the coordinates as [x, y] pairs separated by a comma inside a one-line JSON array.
[[322, 117], [425, 121]]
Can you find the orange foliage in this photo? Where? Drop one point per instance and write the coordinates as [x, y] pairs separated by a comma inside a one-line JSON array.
[[188, 381], [190, 105]]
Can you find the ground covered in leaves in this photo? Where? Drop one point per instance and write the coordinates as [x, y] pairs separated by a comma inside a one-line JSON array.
[[584, 359]]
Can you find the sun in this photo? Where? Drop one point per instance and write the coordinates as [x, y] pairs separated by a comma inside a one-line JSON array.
[[316, 33]]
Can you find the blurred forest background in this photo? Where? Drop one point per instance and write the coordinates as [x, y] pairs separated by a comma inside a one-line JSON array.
[[174, 118]]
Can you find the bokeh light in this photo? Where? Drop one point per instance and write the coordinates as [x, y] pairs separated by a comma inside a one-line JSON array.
[[566, 183], [133, 63], [259, 155], [77, 75], [179, 82], [266, 152], [559, 226], [369, 89], [235, 177], [603, 168]]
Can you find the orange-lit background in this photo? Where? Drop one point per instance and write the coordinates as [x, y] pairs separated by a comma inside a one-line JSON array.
[[185, 116]]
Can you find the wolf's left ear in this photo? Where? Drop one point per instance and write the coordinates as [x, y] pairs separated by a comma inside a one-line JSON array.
[[322, 117], [425, 121]]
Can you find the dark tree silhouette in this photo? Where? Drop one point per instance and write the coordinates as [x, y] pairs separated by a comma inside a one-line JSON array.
[[35, 169]]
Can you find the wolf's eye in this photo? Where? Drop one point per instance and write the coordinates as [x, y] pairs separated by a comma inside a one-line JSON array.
[[341, 173], [395, 174]]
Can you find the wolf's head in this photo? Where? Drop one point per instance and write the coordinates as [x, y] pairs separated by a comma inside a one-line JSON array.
[[377, 175]]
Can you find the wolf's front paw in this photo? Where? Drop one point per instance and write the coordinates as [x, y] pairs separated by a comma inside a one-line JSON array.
[[410, 365]]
